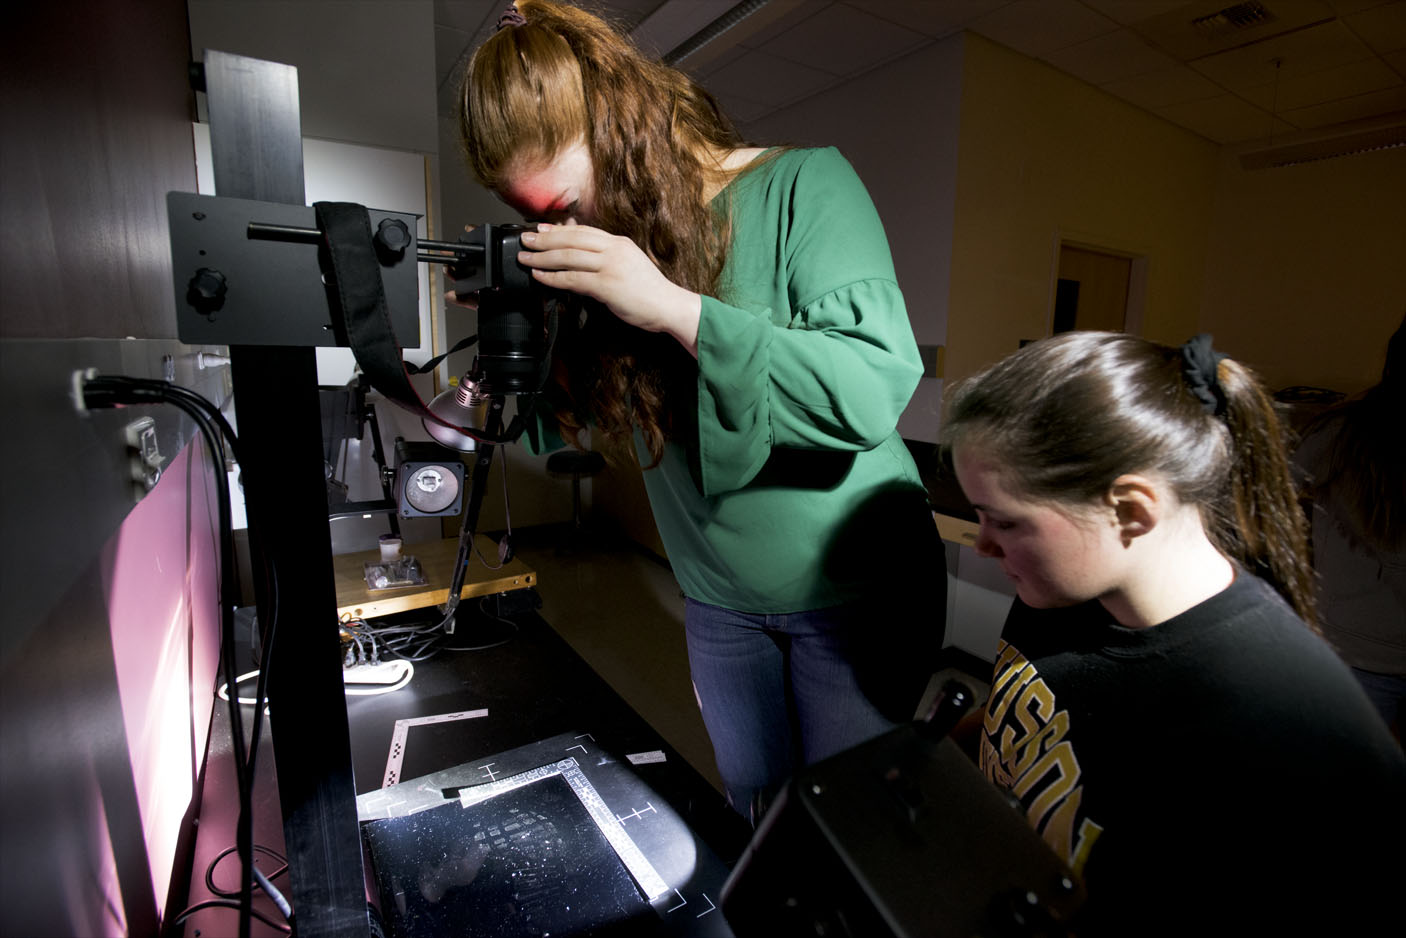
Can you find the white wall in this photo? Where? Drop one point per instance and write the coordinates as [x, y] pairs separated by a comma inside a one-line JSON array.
[[1046, 157], [898, 126], [1306, 267]]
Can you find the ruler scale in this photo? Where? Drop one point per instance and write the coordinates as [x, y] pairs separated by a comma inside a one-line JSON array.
[[402, 734], [625, 848]]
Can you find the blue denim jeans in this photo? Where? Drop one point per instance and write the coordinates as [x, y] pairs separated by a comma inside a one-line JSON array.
[[1387, 693], [778, 692]]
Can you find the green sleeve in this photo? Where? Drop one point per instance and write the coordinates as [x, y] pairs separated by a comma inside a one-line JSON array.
[[836, 367], [541, 430]]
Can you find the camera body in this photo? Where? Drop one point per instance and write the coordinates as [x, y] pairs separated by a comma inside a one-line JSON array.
[[490, 261], [514, 336]]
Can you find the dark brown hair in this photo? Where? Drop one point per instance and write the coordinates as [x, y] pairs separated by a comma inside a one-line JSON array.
[[1070, 414], [1365, 464], [654, 137]]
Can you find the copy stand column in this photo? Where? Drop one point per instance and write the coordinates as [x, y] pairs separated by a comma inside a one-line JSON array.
[[256, 142]]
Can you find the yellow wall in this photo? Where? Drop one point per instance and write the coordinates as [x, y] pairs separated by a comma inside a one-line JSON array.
[[1045, 157], [1306, 268]]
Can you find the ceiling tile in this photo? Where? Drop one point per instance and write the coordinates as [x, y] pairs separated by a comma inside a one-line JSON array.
[[1345, 81], [743, 111], [1341, 60], [707, 66], [671, 23], [1115, 55], [1375, 104], [1135, 11], [1156, 90], [792, 14], [844, 41], [766, 79], [1299, 53], [1037, 27], [935, 20], [626, 14], [1225, 119], [1179, 35], [1382, 28], [1348, 7]]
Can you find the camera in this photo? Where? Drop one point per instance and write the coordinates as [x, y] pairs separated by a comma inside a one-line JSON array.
[[514, 310]]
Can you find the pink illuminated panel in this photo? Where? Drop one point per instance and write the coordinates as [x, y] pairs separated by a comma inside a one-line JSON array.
[[161, 572]]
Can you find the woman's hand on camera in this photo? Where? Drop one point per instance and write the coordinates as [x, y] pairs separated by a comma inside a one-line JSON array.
[[613, 270]]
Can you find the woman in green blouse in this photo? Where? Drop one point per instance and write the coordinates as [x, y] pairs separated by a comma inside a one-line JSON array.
[[744, 326]]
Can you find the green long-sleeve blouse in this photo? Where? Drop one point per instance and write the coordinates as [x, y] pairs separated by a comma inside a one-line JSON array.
[[785, 500]]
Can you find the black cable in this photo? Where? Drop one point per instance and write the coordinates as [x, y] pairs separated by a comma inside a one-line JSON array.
[[410, 643], [231, 904], [215, 862], [116, 391], [212, 426], [205, 413]]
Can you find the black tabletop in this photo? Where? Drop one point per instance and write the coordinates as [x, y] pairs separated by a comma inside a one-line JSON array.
[[505, 696]]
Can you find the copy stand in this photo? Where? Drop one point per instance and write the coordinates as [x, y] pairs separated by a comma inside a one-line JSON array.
[[256, 144]]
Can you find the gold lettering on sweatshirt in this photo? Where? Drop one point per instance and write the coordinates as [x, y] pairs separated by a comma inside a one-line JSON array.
[[1024, 750]]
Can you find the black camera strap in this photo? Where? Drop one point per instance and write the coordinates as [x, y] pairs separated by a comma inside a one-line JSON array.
[[361, 300], [361, 306], [361, 315], [433, 363]]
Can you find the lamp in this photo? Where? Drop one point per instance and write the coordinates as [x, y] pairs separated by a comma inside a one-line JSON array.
[[464, 405]]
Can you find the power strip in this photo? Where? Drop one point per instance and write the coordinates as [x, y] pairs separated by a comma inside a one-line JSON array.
[[385, 672]]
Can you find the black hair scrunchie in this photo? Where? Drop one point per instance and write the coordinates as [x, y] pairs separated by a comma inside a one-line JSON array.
[[1198, 369], [511, 17]]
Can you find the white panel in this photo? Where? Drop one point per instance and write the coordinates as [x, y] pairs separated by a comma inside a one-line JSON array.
[[389, 180]]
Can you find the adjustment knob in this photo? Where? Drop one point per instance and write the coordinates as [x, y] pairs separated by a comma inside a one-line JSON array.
[[206, 291], [392, 235]]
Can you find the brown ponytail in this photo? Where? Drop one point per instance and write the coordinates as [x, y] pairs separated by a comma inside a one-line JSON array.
[[1265, 528]]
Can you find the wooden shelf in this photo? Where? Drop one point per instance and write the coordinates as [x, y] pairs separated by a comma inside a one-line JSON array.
[[437, 561], [956, 530]]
